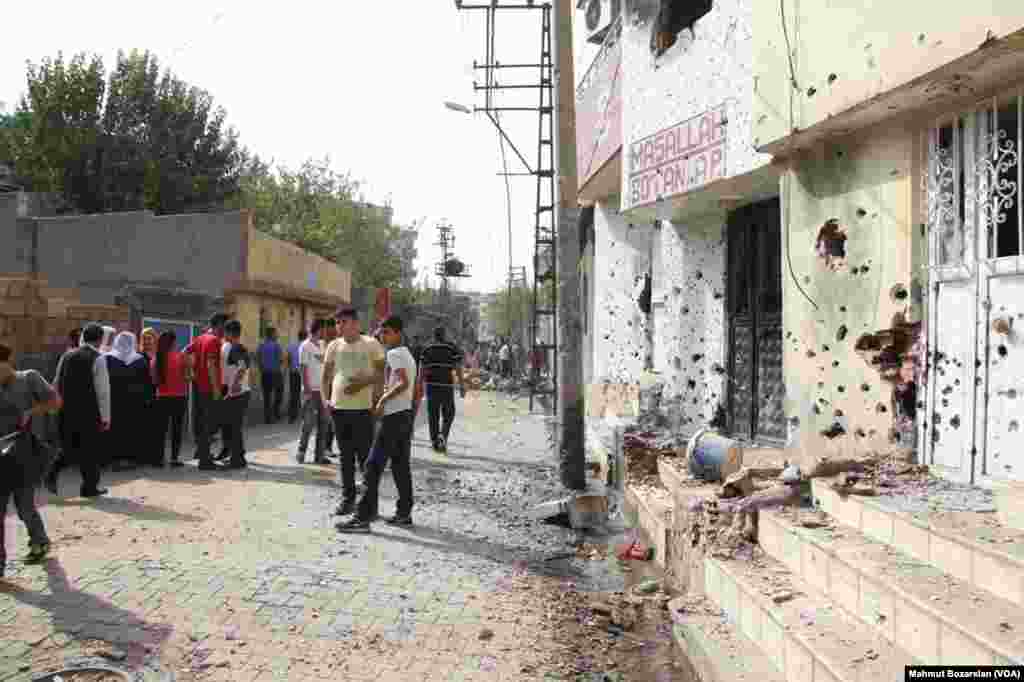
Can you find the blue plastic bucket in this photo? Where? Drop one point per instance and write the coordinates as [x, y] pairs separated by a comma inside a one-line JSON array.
[[712, 457]]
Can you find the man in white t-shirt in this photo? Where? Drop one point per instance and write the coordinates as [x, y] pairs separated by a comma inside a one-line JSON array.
[[236, 391], [311, 367], [394, 439], [353, 373]]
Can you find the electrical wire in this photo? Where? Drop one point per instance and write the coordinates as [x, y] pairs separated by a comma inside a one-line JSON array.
[[788, 190], [508, 213]]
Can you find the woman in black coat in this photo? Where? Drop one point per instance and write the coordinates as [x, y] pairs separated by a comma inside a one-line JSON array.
[[130, 441]]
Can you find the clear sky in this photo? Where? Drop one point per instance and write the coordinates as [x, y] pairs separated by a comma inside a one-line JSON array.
[[362, 82]]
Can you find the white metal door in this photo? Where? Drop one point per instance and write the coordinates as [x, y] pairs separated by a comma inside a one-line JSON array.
[[976, 307]]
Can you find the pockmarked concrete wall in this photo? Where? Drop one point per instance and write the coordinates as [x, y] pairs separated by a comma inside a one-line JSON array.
[[707, 74], [847, 53], [865, 189], [689, 324]]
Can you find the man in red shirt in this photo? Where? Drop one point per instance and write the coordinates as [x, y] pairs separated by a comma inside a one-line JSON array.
[[206, 354]]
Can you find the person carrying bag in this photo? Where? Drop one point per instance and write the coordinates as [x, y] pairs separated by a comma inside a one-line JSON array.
[[24, 457]]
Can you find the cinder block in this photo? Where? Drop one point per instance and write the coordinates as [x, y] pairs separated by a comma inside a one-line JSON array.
[[917, 631]]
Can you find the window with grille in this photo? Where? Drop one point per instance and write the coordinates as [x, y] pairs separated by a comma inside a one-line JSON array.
[[973, 183]]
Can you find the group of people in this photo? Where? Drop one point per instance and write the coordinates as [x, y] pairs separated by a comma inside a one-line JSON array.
[[118, 399]]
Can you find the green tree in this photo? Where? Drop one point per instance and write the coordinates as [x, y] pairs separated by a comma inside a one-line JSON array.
[[321, 210], [136, 140]]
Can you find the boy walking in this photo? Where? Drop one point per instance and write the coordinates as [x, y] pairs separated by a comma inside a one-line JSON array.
[[394, 440], [311, 365]]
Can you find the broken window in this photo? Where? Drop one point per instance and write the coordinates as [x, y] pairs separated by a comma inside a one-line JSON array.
[[675, 16], [973, 184]]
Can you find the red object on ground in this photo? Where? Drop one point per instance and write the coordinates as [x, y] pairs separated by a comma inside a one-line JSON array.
[[635, 551]]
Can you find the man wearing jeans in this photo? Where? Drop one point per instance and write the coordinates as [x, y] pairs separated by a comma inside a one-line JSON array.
[[394, 439], [311, 363], [206, 353], [353, 369]]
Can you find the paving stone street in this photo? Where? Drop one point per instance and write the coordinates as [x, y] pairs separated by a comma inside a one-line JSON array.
[[241, 575]]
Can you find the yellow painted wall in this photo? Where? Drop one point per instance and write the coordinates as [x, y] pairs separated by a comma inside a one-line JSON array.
[[274, 260], [849, 51], [286, 316], [869, 187]]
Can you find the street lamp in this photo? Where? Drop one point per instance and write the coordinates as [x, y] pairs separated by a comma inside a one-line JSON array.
[[461, 108]]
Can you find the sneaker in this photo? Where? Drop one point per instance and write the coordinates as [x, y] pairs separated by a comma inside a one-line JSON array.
[[208, 466], [345, 508], [221, 456], [98, 492], [353, 526], [442, 445], [37, 553], [236, 464], [399, 520]]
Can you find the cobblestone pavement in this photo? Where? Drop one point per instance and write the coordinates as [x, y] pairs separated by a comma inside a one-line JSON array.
[[241, 575]]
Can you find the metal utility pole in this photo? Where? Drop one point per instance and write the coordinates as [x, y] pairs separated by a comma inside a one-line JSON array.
[[449, 265], [571, 453]]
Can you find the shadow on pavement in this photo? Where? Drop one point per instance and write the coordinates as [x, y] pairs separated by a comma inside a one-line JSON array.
[[81, 615], [126, 507]]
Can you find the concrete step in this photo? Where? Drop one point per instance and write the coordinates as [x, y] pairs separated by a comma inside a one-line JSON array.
[[934, 616], [975, 548], [807, 638], [715, 648], [654, 515]]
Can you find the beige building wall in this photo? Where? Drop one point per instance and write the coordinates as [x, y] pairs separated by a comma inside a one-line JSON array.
[[277, 261], [847, 54], [837, 404]]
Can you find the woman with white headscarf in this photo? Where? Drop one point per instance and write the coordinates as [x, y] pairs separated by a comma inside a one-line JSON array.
[[131, 395]]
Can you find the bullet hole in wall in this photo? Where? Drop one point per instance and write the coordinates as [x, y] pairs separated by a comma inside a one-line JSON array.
[[841, 388], [832, 78], [899, 293], [835, 363], [1002, 350], [691, 384], [699, 275], [811, 91], [816, 409], [811, 354], [821, 384], [1013, 426], [677, 362], [834, 431], [955, 421], [830, 245], [842, 308], [824, 348], [861, 213], [697, 357], [881, 408], [842, 332], [837, 413], [718, 369], [718, 295], [865, 387]]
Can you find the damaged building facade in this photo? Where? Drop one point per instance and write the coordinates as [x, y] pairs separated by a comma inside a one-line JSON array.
[[683, 289], [805, 263]]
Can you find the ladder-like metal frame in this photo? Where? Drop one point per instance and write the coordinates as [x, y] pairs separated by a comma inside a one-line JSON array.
[[545, 255], [545, 258]]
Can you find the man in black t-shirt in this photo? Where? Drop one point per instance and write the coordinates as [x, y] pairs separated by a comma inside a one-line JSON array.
[[439, 361]]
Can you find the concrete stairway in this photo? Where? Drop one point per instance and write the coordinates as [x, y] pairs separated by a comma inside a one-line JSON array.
[[854, 591]]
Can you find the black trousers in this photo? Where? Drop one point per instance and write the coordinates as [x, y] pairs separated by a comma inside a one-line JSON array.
[[394, 443], [354, 430], [208, 414], [294, 395], [83, 446], [234, 425], [440, 411], [170, 413], [273, 395]]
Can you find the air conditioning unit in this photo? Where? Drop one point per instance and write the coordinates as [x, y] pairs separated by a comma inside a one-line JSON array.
[[599, 15]]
